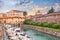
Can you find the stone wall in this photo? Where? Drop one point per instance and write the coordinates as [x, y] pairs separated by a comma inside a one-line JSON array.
[[47, 31], [49, 19], [53, 17]]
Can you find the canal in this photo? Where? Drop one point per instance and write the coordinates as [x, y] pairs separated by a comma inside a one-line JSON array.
[[39, 36]]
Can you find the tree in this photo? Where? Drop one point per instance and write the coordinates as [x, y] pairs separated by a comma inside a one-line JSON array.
[[51, 10], [27, 21], [24, 14]]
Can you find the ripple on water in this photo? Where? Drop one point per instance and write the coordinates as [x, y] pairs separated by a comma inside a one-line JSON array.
[[40, 36]]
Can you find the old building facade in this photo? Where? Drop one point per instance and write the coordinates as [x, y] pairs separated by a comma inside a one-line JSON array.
[[52, 17], [12, 16]]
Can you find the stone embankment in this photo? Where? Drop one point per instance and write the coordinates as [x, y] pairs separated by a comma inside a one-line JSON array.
[[47, 31]]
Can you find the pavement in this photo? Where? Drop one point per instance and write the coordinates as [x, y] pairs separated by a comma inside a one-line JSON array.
[[5, 35], [1, 32]]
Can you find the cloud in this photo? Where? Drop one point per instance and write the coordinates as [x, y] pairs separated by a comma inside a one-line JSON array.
[[57, 5], [23, 2], [16, 4], [40, 8], [43, 9], [25, 6]]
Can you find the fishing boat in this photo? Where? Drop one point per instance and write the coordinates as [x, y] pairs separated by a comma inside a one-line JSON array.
[[14, 33]]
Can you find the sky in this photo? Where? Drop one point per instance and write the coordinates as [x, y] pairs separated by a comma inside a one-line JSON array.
[[29, 5]]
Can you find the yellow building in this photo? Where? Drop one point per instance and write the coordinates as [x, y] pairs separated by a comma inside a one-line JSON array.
[[12, 16]]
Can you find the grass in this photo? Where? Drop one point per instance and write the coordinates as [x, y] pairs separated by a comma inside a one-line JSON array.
[[45, 28]]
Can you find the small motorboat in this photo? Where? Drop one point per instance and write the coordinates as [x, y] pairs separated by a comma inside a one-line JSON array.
[[16, 34]]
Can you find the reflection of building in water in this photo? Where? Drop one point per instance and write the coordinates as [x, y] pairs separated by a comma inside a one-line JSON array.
[[12, 16]]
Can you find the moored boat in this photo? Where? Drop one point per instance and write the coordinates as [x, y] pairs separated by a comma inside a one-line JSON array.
[[15, 33]]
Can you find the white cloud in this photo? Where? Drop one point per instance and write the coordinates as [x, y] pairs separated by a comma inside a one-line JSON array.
[[43, 10], [57, 5], [16, 4], [25, 6]]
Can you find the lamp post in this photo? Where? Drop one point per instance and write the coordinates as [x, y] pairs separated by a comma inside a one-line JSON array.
[[21, 22]]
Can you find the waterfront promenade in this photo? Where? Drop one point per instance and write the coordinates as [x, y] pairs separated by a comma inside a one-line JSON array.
[[5, 37], [1, 31]]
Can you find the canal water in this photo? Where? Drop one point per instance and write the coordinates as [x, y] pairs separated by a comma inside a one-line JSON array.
[[39, 36]]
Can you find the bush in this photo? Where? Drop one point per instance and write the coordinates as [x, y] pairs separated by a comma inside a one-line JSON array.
[[32, 23], [56, 26], [45, 24], [27, 21], [38, 24], [42, 24], [51, 24], [35, 23]]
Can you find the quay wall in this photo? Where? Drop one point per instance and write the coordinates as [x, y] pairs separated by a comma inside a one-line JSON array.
[[47, 31]]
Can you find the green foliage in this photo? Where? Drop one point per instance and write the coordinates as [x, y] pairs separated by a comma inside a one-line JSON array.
[[56, 26], [24, 13], [43, 24], [33, 23], [27, 21], [51, 24], [38, 24], [51, 10]]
